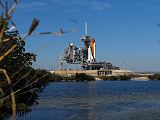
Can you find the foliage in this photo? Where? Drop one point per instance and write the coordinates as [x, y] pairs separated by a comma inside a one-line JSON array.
[[25, 80], [115, 78], [124, 77], [154, 77], [55, 78], [80, 77], [17, 59]]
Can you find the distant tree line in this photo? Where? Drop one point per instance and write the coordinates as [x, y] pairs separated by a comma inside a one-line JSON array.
[[154, 77], [116, 78]]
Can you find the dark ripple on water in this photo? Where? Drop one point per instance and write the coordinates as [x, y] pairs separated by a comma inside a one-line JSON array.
[[99, 101]]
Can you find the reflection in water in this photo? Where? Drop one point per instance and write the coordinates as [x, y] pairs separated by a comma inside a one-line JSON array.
[[98, 100]]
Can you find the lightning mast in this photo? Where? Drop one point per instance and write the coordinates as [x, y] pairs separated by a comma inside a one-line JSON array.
[[86, 39], [86, 28]]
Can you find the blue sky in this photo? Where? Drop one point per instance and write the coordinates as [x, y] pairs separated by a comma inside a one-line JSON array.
[[123, 29]]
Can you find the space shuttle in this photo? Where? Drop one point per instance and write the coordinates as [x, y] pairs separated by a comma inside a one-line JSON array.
[[92, 51]]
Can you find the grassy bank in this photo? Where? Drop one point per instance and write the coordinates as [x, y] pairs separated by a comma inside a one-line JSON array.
[[77, 77], [116, 78], [84, 77], [154, 77]]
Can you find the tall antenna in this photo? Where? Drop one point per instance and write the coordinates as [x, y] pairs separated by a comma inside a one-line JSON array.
[[86, 28]]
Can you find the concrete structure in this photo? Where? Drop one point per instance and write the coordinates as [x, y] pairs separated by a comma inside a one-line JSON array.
[[105, 72], [99, 66], [87, 72], [121, 72]]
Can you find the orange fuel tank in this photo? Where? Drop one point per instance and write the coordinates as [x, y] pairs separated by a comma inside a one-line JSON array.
[[92, 45]]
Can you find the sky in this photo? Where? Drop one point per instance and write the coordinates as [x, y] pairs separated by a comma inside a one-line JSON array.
[[125, 31]]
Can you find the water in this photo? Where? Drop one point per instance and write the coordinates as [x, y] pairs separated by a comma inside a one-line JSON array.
[[98, 100]]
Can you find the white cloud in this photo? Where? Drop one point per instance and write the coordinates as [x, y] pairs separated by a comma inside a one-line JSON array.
[[33, 6], [100, 5], [94, 4]]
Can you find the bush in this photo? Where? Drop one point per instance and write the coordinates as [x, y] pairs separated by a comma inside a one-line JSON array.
[[154, 77], [124, 77], [80, 77], [114, 78]]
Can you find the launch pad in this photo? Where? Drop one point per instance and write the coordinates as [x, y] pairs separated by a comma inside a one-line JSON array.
[[86, 55]]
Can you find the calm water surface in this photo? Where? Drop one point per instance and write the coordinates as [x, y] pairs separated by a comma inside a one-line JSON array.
[[98, 100]]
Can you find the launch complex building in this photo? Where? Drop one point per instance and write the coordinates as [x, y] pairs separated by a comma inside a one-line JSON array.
[[86, 55]]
